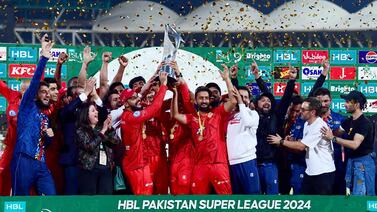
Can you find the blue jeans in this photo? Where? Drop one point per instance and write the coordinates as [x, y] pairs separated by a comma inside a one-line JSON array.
[[360, 175], [245, 178], [298, 172], [28, 172], [268, 176]]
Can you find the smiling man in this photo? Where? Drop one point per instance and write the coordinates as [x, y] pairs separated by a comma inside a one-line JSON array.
[[28, 165], [133, 136]]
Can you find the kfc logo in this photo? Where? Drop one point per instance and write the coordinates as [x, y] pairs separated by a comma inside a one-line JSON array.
[[21, 70]]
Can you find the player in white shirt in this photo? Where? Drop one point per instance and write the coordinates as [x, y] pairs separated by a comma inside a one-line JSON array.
[[241, 141], [320, 168]]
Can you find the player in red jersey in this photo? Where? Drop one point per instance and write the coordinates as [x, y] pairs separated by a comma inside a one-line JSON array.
[[211, 163], [133, 118], [13, 98]]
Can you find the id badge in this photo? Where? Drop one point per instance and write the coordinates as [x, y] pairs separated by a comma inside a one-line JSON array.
[[102, 158]]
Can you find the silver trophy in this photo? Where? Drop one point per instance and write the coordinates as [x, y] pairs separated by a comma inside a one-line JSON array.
[[172, 40]]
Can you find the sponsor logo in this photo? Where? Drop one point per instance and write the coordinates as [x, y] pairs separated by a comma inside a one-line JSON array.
[[283, 72], [279, 88], [55, 53], [3, 70], [259, 56], [51, 68], [14, 206], [14, 85], [3, 53], [367, 73], [3, 104], [255, 88], [286, 56], [311, 72], [368, 89], [342, 57], [306, 87], [21, 70], [219, 56], [264, 72], [343, 73], [22, 54], [314, 56], [337, 105], [76, 56], [371, 108], [368, 57], [337, 88]]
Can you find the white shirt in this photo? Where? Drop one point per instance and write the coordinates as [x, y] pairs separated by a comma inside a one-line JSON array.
[[116, 120], [319, 153], [242, 136]]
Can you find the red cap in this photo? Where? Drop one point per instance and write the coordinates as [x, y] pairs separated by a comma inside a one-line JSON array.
[[126, 94]]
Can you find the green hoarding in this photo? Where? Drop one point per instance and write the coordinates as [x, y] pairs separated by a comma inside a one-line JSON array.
[[350, 68]]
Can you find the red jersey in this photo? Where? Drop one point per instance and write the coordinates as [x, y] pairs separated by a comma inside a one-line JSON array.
[[14, 99], [210, 147], [181, 144], [132, 126]]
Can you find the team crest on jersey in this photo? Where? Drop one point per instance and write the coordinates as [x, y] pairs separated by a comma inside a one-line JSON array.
[[12, 113], [137, 113]]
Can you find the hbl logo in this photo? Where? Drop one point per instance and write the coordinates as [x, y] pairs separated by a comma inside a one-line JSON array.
[[14, 206]]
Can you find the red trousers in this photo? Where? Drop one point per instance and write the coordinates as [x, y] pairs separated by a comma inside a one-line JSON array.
[[180, 176], [5, 176], [159, 174], [140, 180], [205, 175]]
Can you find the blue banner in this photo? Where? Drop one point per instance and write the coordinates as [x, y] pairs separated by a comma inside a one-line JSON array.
[[3, 104], [22, 54], [369, 57], [343, 56], [3, 70], [287, 56]]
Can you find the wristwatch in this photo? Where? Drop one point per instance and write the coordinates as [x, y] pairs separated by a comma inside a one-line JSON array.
[[281, 142], [333, 139]]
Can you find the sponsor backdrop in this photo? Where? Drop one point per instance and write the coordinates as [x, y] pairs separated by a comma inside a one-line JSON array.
[[350, 68]]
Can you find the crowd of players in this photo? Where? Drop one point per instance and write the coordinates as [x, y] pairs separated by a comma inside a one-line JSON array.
[[116, 140]]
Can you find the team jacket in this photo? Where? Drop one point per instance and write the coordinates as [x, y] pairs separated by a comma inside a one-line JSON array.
[[132, 127], [29, 116]]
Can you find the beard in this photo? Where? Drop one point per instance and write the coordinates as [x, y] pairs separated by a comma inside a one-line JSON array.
[[214, 104], [203, 109], [41, 105]]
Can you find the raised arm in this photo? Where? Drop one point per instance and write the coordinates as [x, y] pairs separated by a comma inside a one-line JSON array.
[[88, 56], [32, 91], [123, 63], [288, 92], [103, 74], [260, 82], [183, 89], [153, 109], [233, 75], [181, 118], [231, 104], [63, 57], [321, 79]]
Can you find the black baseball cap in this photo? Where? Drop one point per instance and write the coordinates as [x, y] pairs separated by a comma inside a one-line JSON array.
[[357, 96]]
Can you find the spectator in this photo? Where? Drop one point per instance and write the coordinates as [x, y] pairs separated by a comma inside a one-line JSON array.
[[320, 169], [358, 132], [241, 145], [95, 156]]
